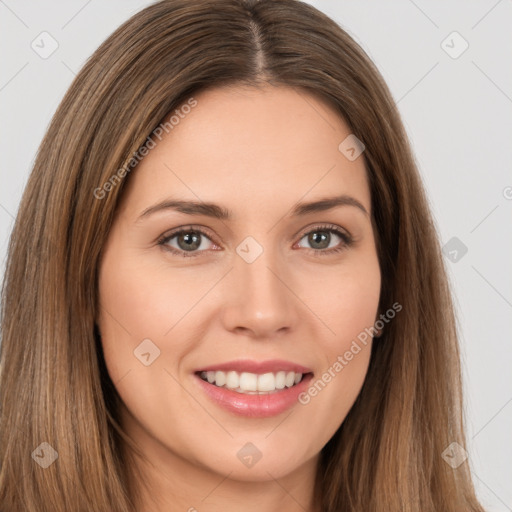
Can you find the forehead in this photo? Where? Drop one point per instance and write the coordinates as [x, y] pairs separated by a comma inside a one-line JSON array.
[[246, 146]]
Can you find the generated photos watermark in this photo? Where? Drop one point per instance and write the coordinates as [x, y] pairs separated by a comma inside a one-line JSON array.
[[343, 360], [149, 144]]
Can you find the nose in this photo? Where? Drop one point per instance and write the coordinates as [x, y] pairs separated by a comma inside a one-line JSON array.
[[259, 298]]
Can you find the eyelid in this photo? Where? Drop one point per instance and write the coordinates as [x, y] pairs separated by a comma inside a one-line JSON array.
[[318, 226], [187, 228]]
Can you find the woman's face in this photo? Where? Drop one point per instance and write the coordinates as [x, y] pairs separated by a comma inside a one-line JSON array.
[[275, 290]]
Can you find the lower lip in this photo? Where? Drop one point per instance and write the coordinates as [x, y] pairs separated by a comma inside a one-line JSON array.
[[255, 406]]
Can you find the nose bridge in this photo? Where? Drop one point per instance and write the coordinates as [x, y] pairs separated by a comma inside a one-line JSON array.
[[261, 301], [262, 286]]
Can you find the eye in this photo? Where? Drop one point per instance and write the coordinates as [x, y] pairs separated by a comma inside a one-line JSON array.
[[321, 237], [188, 240], [191, 241]]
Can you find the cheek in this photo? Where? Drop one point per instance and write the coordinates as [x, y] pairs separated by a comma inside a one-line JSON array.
[[354, 310], [347, 301], [349, 310], [140, 301], [138, 305]]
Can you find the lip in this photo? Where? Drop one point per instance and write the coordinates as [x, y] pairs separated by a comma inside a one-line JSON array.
[[258, 367], [254, 406]]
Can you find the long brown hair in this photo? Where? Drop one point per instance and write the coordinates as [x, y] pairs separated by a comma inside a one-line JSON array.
[[54, 388]]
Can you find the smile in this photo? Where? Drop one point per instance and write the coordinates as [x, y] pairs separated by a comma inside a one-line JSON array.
[[252, 383]]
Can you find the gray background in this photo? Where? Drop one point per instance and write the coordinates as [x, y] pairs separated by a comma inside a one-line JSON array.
[[457, 111]]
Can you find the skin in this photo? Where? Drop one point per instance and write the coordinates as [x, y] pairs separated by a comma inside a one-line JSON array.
[[257, 152]]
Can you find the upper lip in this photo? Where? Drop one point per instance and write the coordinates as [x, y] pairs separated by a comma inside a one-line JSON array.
[[258, 367]]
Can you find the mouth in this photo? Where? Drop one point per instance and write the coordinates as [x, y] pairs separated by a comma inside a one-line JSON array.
[[254, 389], [253, 383]]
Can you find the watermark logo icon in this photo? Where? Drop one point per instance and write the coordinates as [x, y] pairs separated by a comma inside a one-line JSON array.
[[454, 455], [45, 455], [44, 45], [249, 249], [146, 352], [351, 147], [454, 45], [249, 455], [454, 249]]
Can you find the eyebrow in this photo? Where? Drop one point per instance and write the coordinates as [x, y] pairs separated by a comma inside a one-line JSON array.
[[219, 212]]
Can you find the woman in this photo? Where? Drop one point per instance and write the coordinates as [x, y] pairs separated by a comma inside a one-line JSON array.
[[176, 335]]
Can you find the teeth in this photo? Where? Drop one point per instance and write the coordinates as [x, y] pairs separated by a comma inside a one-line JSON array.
[[232, 380], [252, 383], [219, 378], [281, 379], [249, 382], [266, 382]]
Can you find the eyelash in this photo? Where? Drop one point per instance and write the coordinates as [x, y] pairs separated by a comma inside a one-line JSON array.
[[331, 228]]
